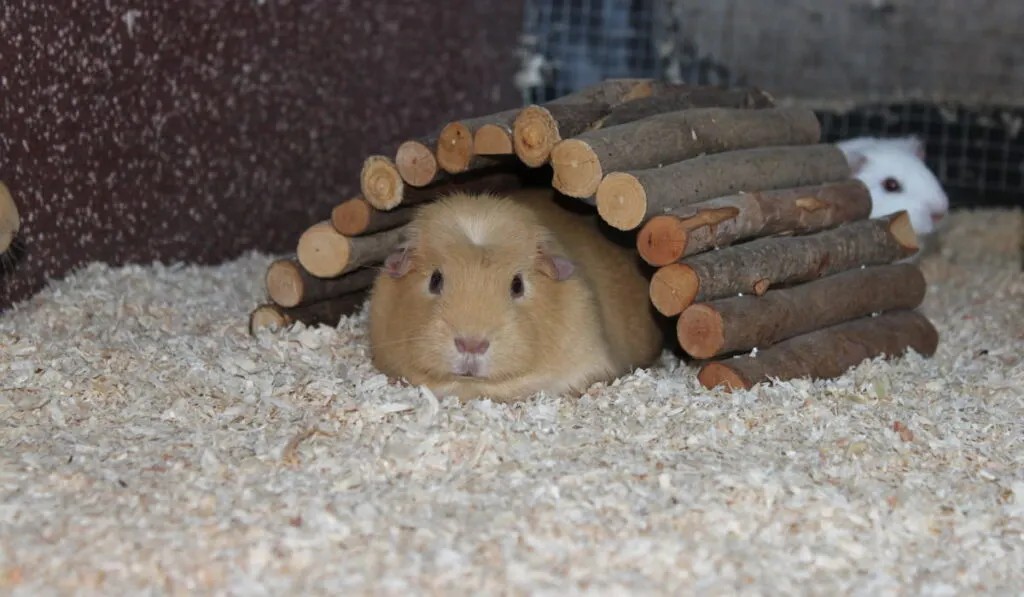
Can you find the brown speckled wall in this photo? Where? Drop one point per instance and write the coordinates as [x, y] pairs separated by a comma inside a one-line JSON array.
[[134, 131]]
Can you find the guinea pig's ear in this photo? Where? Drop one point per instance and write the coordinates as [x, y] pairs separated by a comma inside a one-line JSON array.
[[857, 161], [555, 266], [397, 264], [913, 144]]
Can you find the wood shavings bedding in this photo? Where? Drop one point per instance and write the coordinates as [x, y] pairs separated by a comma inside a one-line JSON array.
[[151, 446]]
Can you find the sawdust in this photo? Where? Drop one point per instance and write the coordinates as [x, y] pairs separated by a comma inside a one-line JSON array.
[[150, 446]]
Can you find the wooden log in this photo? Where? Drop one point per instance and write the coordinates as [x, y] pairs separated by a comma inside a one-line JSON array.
[[580, 163], [325, 253], [327, 312], [421, 162], [537, 128], [741, 323], [494, 139], [456, 151], [754, 266], [626, 200], [384, 189], [416, 161], [826, 353], [681, 97], [380, 183], [10, 220], [720, 222], [611, 92], [356, 217], [290, 285]]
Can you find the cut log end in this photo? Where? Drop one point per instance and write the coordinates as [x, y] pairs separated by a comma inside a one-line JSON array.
[[673, 288], [322, 251], [715, 374], [266, 317], [621, 201], [416, 163], [10, 220], [284, 283], [324, 312], [493, 139], [534, 135], [662, 240], [741, 323], [829, 352], [351, 217], [700, 331], [901, 229], [576, 168], [455, 147], [380, 182]]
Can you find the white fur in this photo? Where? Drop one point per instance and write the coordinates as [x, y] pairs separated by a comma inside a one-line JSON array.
[[922, 196], [477, 230]]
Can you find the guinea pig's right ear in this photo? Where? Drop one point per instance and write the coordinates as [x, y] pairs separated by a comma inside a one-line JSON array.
[[397, 264], [911, 143], [857, 161]]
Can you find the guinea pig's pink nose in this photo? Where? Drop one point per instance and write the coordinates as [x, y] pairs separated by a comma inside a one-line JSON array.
[[472, 345]]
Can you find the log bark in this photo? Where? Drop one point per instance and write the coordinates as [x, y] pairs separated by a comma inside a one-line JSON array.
[[419, 162], [356, 217], [537, 128], [755, 266], [290, 285], [456, 151], [384, 189], [327, 312], [416, 161], [626, 200], [720, 222], [826, 353], [612, 92], [580, 163], [681, 97], [741, 323], [325, 253]]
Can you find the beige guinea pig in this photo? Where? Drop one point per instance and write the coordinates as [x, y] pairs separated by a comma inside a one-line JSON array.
[[501, 297]]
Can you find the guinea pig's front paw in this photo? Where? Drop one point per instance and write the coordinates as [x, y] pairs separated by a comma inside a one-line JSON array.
[[444, 390], [469, 390]]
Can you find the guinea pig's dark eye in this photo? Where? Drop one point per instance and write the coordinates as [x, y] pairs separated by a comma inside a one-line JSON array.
[[892, 185], [436, 282], [517, 286]]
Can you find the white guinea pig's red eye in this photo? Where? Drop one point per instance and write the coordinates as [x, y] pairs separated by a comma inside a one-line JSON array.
[[892, 185], [517, 286], [436, 282]]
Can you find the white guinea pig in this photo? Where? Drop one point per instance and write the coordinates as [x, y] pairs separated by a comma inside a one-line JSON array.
[[898, 178]]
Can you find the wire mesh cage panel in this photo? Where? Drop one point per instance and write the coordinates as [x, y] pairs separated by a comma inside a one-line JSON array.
[[948, 71], [569, 44]]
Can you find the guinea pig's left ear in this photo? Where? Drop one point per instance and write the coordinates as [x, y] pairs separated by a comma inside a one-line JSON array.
[[397, 264], [555, 266]]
